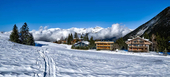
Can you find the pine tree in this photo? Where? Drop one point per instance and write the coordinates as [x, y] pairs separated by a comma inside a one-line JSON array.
[[75, 35], [71, 37], [146, 36], [86, 38], [81, 37], [161, 42], [121, 43], [15, 35], [30, 40], [24, 31], [92, 42], [26, 37]]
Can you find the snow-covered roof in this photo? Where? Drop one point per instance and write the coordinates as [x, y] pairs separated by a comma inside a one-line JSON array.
[[140, 38], [85, 42], [129, 39]]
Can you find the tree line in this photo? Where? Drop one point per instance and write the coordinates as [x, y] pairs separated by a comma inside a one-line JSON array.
[[159, 42], [22, 37], [70, 38]]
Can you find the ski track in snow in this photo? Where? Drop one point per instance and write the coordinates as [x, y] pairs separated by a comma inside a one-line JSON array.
[[49, 70], [55, 60]]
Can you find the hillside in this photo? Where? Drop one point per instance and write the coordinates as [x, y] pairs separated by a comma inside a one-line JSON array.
[[159, 24], [58, 60]]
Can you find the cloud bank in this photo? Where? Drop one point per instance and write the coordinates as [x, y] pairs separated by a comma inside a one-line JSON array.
[[115, 31], [53, 34]]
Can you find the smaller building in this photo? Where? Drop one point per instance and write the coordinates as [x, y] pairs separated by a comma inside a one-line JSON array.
[[104, 45], [61, 42], [138, 44], [81, 44]]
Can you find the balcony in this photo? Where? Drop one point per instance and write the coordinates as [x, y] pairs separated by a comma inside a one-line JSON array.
[[138, 50], [138, 42], [103, 45], [137, 46], [103, 48]]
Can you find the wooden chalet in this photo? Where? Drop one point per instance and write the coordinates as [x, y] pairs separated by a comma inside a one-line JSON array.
[[138, 44], [76, 40], [73, 41], [104, 45]]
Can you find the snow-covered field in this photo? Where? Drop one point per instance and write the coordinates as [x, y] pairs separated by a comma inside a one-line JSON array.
[[54, 60]]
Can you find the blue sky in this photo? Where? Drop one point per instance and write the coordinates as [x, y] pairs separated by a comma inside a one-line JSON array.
[[78, 13]]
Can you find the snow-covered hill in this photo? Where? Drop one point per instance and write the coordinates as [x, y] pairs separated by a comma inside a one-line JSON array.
[[58, 60], [53, 34]]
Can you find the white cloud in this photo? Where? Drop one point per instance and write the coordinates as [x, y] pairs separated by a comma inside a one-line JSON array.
[[115, 31], [54, 34]]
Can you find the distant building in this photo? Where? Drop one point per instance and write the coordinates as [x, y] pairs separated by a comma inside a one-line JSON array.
[[76, 40], [81, 44], [61, 42], [104, 45], [64, 41], [138, 44]]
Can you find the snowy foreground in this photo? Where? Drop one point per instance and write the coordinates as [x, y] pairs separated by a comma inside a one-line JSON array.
[[54, 60]]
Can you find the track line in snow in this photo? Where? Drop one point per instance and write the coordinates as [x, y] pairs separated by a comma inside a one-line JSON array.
[[49, 70], [43, 56]]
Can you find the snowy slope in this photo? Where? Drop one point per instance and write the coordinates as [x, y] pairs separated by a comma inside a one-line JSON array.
[[54, 60], [18, 60]]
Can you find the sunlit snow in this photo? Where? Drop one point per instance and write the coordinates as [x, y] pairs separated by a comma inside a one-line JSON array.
[[58, 60]]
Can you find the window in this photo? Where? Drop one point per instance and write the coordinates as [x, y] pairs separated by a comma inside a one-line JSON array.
[[141, 41], [135, 44], [135, 41], [140, 45]]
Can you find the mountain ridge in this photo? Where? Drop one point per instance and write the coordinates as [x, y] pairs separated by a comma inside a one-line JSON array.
[[150, 26]]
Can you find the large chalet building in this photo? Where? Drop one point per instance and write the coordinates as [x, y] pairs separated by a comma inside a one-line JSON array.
[[138, 44], [104, 45]]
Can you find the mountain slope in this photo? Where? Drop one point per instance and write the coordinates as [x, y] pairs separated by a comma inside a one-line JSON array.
[[159, 24]]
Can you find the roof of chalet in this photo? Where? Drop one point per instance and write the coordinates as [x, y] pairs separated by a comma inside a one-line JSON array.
[[140, 38]]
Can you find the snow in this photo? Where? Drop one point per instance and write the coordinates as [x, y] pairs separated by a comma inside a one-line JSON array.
[[58, 60], [149, 24], [142, 31]]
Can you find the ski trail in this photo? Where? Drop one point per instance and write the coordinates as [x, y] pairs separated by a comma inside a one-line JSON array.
[[49, 70], [53, 67], [44, 58]]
